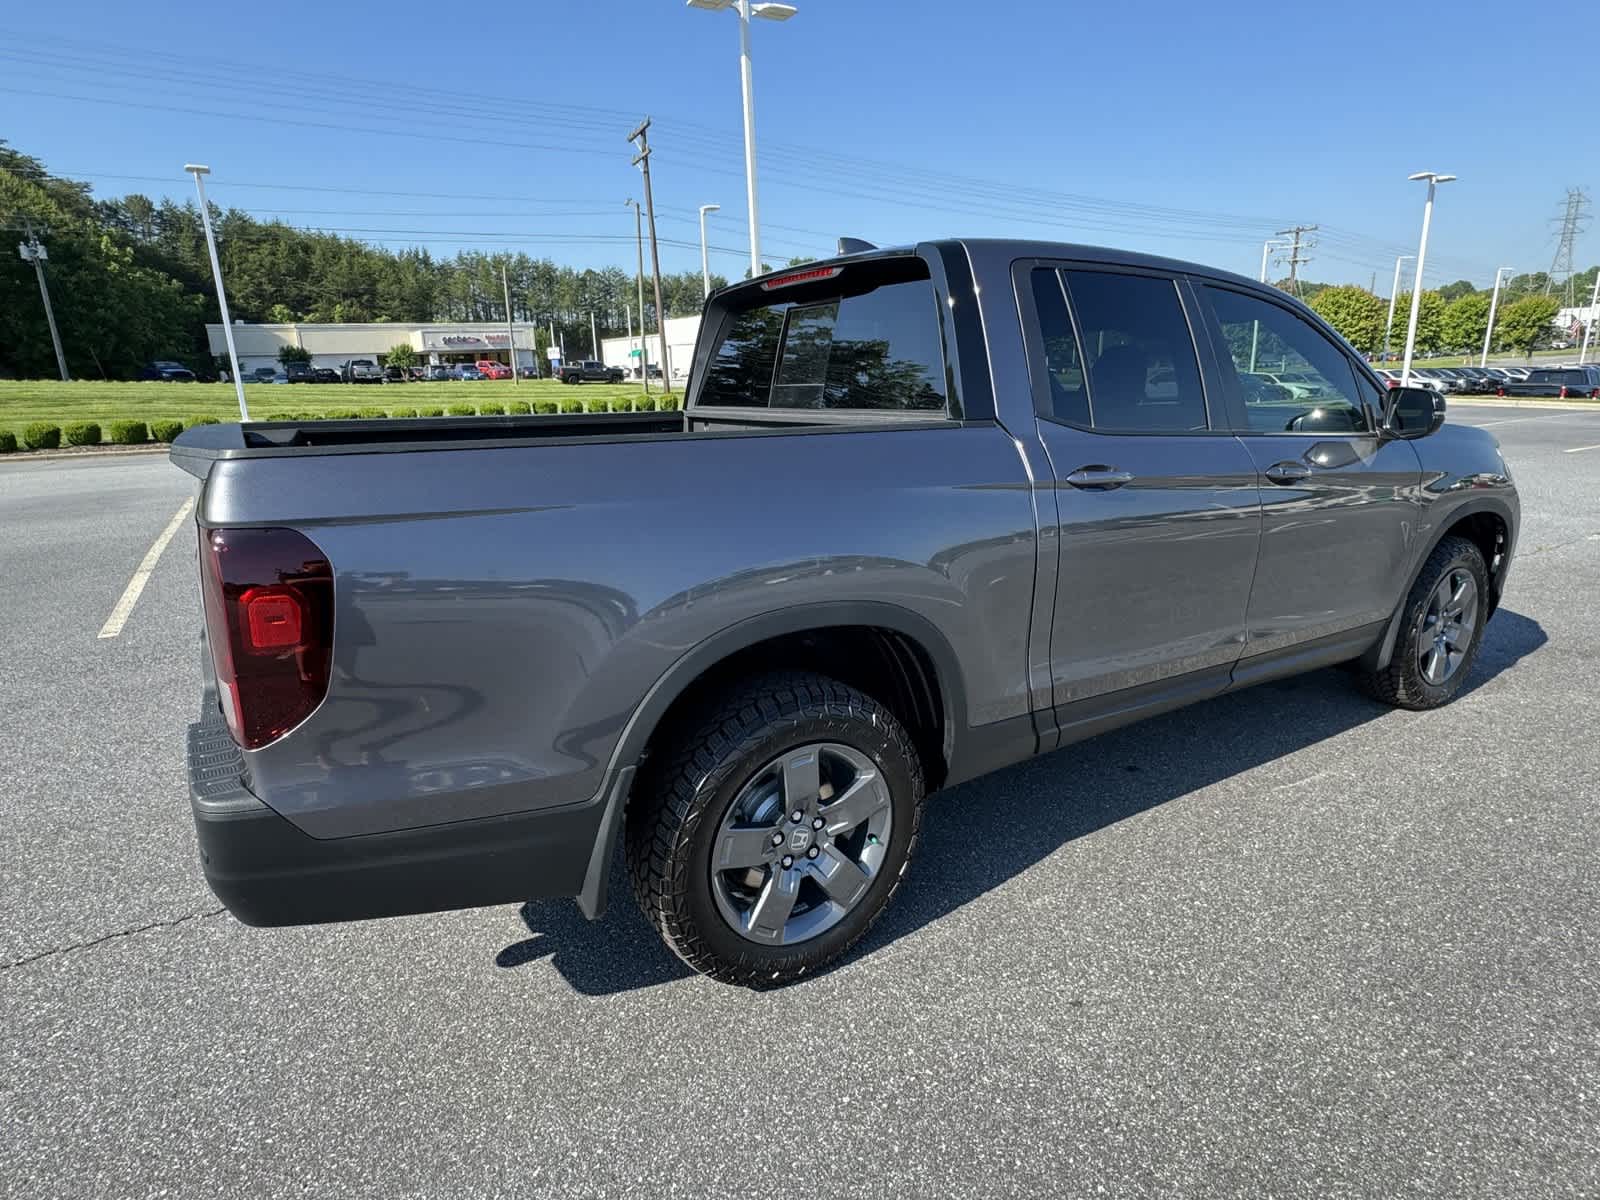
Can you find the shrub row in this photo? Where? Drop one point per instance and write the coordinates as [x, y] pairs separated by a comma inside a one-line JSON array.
[[43, 435]]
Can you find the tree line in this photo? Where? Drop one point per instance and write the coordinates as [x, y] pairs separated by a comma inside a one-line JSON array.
[[130, 281], [1450, 319]]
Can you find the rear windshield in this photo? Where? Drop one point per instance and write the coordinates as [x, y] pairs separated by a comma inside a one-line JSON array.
[[866, 339]]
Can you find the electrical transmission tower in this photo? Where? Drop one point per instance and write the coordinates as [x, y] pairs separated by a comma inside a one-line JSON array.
[[1572, 222], [1296, 257]]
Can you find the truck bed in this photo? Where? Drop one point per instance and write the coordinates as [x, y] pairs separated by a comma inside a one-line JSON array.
[[197, 448]]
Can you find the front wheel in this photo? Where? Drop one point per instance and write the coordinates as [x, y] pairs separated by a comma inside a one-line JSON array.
[[1440, 631], [776, 828]]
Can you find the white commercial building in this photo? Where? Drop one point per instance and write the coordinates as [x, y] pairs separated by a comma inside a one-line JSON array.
[[335, 345], [681, 333]]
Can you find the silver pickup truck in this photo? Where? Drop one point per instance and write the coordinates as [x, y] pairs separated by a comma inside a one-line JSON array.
[[928, 511]]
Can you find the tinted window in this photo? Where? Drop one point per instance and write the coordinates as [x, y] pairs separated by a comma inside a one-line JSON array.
[[1140, 359], [863, 347], [1294, 379], [1063, 364]]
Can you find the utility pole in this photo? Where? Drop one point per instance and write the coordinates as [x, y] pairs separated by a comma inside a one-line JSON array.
[[1588, 326], [642, 160], [594, 338], [199, 170], [1394, 294], [35, 253], [1494, 303], [1295, 257], [511, 329], [644, 345]]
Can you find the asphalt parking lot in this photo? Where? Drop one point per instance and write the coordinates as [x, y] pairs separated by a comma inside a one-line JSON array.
[[1285, 943]]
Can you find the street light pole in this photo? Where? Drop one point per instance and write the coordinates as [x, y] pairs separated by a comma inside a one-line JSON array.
[[771, 12], [1434, 179], [705, 269], [1394, 293], [198, 170], [1255, 326], [1494, 303], [1588, 326]]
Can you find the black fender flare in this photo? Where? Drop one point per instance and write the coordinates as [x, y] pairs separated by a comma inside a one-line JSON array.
[[1377, 658], [694, 663]]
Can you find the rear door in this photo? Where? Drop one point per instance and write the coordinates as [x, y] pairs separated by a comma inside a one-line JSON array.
[[1338, 501], [1159, 516]]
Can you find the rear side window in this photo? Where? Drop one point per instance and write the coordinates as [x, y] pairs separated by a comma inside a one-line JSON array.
[[869, 339], [1139, 355], [1063, 364]]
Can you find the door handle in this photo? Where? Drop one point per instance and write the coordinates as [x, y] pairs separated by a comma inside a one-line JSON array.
[[1288, 472], [1101, 479]]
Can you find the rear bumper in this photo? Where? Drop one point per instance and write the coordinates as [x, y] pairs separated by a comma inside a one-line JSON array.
[[267, 872]]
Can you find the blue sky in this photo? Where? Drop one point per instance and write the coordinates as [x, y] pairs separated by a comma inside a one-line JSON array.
[[1188, 129]]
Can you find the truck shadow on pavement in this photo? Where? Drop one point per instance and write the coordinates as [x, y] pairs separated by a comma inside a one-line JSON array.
[[1022, 814]]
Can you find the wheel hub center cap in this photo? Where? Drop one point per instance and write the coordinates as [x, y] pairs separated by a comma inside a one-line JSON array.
[[799, 840]]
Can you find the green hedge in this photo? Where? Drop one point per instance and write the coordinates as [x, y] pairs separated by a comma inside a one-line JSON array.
[[41, 435], [341, 414], [598, 405], [518, 408], [128, 433], [491, 410], [572, 406], [669, 403], [8, 442], [82, 433], [432, 410], [546, 406], [645, 404], [165, 431], [621, 404], [204, 421], [461, 410], [268, 417], [404, 412], [373, 414]]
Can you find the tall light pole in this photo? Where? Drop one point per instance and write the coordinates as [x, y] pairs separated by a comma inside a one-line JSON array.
[[638, 237], [1588, 326], [1434, 180], [705, 269], [1394, 293], [198, 170], [1255, 326], [1494, 303], [770, 12]]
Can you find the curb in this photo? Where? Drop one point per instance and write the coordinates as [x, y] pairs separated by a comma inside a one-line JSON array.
[[76, 452], [1514, 402]]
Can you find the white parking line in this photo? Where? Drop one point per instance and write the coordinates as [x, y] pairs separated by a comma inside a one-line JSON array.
[[1581, 449], [1515, 420], [130, 595]]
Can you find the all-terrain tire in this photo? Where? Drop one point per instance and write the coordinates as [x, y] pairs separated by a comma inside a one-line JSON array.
[[680, 800], [1402, 683]]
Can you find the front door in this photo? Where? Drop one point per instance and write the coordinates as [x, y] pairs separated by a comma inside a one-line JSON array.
[[1158, 511], [1338, 500]]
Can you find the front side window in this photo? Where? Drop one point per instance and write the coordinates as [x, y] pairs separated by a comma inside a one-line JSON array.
[[1293, 379], [869, 340], [1139, 355]]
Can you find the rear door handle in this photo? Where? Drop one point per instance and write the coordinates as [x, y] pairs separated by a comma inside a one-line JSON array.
[[1101, 479], [1288, 472]]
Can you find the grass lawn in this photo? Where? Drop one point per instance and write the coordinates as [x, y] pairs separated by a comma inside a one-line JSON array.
[[22, 402]]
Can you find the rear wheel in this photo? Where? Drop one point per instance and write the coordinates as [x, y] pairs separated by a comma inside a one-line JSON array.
[[1440, 631], [776, 829]]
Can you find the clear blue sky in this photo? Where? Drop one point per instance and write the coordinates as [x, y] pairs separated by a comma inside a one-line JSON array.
[[1191, 129]]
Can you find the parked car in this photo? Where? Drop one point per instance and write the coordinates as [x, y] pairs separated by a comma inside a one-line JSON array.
[[297, 372], [527, 372], [1563, 383], [1434, 378], [324, 375], [437, 373], [588, 371], [492, 369], [361, 370], [167, 372], [919, 576], [1518, 373], [466, 371], [396, 375]]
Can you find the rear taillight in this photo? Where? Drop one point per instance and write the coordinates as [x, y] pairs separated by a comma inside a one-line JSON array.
[[1562, 394], [268, 597], [1500, 391]]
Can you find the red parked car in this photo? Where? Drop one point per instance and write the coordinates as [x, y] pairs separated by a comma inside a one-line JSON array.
[[490, 369]]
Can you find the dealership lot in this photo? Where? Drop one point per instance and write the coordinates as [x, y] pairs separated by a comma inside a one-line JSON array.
[[1289, 941]]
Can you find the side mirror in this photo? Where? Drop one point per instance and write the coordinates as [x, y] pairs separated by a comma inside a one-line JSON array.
[[1413, 412]]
